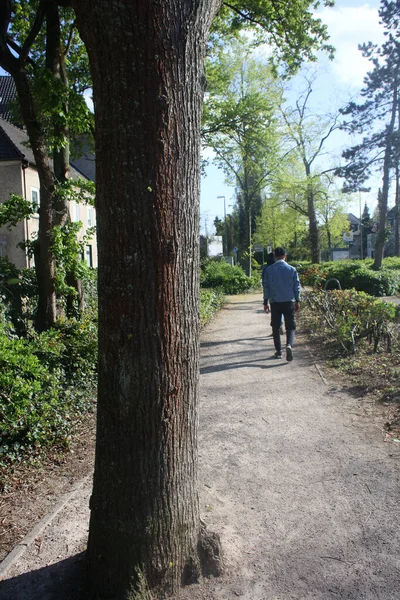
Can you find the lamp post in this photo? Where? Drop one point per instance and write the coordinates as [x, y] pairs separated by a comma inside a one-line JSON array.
[[226, 234]]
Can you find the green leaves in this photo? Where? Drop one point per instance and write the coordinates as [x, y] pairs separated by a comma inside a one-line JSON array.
[[14, 210], [46, 382], [210, 302], [291, 29], [230, 280], [353, 317]]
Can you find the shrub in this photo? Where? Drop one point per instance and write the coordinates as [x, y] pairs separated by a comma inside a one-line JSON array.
[[349, 317], [231, 280], [46, 385], [392, 263], [357, 275], [301, 266], [210, 302], [353, 274], [315, 276]]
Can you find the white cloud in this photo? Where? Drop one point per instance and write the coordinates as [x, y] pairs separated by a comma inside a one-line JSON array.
[[349, 26]]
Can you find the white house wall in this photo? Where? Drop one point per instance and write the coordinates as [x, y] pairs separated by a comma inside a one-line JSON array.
[[12, 183], [80, 212], [24, 182]]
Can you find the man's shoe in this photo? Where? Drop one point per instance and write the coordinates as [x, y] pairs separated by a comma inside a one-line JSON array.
[[278, 354], [289, 353]]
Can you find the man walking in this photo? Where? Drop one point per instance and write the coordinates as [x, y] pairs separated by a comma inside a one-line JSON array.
[[282, 290]]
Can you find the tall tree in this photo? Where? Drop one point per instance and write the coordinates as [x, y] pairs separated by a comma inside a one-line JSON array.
[[308, 134], [35, 40], [147, 66], [279, 223], [376, 117], [240, 122]]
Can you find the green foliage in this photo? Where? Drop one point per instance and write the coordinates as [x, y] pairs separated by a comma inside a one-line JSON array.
[[46, 385], [355, 274], [301, 266], [18, 291], [61, 107], [279, 221], [391, 263], [291, 30], [314, 276], [210, 302], [231, 280], [68, 250], [78, 190], [14, 210], [351, 317]]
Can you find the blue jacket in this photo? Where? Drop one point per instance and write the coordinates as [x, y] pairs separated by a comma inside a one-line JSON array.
[[281, 283]]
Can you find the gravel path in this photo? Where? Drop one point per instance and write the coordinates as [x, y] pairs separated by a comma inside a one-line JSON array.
[[295, 476]]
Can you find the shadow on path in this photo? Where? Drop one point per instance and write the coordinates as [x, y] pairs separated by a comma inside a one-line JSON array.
[[59, 581]]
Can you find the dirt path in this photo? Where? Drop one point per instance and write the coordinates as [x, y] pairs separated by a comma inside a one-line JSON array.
[[295, 476]]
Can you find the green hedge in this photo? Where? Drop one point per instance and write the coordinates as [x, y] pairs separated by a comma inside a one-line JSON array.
[[349, 318], [231, 280], [47, 383], [358, 275], [210, 303]]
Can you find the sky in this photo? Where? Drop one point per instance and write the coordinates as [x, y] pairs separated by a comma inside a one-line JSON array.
[[350, 22]]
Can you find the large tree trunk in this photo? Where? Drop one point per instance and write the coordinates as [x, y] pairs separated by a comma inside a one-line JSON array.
[[147, 66]]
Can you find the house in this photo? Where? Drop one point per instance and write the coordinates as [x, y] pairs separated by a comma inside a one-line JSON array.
[[18, 175], [351, 248]]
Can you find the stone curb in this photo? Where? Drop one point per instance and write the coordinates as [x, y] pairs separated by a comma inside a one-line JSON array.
[[16, 553]]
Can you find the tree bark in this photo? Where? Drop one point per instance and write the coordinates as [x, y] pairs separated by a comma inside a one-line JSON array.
[[44, 258], [312, 220], [45, 263], [396, 213], [55, 63], [383, 204], [147, 66]]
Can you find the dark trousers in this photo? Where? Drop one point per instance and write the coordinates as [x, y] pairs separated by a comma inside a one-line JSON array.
[[287, 310]]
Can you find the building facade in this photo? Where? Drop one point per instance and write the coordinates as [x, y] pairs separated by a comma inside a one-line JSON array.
[[19, 176]]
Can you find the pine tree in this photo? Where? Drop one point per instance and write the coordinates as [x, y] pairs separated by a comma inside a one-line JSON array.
[[379, 147]]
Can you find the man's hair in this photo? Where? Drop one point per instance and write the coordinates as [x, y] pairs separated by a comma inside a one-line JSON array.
[[279, 251]]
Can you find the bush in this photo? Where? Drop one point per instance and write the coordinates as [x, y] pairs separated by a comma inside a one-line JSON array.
[[356, 275], [392, 263], [46, 385], [314, 276], [301, 267], [231, 280], [349, 317], [210, 303]]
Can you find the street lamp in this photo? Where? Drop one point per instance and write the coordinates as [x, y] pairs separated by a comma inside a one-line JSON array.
[[226, 234]]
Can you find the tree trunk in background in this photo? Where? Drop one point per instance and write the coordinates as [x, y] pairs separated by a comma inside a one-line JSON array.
[[44, 259], [45, 263], [397, 213], [313, 230], [147, 67], [55, 62], [383, 204]]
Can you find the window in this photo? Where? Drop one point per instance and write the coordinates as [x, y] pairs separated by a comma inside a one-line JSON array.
[[89, 216], [35, 199], [76, 212], [89, 257]]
